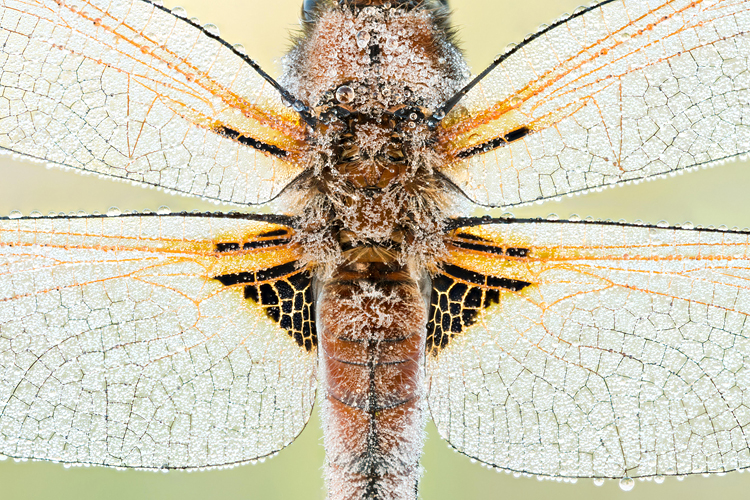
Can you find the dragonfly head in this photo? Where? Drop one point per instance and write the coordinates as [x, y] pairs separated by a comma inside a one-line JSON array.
[[311, 8]]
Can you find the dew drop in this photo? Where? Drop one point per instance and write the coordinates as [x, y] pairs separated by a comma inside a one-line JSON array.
[[238, 47], [179, 11], [35, 213], [15, 214], [344, 94], [659, 479], [510, 47], [163, 210], [363, 38], [553, 217], [439, 114], [662, 223], [542, 27], [627, 484], [688, 225], [113, 212], [211, 29]]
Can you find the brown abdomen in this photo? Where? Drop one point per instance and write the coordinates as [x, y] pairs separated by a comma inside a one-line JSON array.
[[372, 338]]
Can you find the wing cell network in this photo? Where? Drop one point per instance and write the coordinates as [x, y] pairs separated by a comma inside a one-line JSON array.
[[625, 353], [124, 342], [621, 91], [130, 90]]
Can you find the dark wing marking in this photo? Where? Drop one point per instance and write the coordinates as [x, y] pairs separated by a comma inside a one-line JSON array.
[[285, 292], [459, 294]]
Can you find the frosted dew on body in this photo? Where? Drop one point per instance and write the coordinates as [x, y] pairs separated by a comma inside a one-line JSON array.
[[555, 348]]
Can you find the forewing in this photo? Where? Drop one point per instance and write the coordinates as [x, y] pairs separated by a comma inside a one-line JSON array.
[[130, 90], [593, 350], [125, 342], [624, 90]]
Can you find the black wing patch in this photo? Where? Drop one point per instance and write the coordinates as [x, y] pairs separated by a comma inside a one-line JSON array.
[[456, 304], [253, 143], [286, 294], [495, 143]]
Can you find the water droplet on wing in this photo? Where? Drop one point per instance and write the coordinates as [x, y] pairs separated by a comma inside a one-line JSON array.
[[627, 484], [211, 29]]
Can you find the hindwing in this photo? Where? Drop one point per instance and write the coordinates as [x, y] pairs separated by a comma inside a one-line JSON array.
[[149, 341], [582, 349]]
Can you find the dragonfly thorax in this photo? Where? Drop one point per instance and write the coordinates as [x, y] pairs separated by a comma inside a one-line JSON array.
[[372, 192], [372, 76]]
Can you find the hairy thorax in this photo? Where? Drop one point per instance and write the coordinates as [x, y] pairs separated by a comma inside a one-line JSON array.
[[370, 76]]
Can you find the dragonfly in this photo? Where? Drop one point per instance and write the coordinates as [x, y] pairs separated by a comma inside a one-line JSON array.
[[469, 242]]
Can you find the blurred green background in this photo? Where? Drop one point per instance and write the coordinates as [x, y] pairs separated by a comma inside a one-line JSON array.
[[714, 196]]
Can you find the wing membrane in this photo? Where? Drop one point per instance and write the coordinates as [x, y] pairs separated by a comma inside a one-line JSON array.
[[123, 344], [128, 89], [623, 90], [624, 353]]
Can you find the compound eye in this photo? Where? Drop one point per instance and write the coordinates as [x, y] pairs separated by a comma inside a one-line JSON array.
[[308, 9]]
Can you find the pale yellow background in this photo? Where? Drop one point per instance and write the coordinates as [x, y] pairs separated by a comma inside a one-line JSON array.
[[713, 196]]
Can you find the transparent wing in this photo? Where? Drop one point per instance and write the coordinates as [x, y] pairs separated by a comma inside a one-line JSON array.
[[593, 350], [130, 90], [124, 342], [624, 90]]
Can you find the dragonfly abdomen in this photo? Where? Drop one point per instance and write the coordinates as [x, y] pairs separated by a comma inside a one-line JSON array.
[[372, 338]]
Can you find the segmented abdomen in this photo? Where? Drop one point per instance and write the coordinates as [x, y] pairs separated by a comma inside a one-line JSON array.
[[372, 338]]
